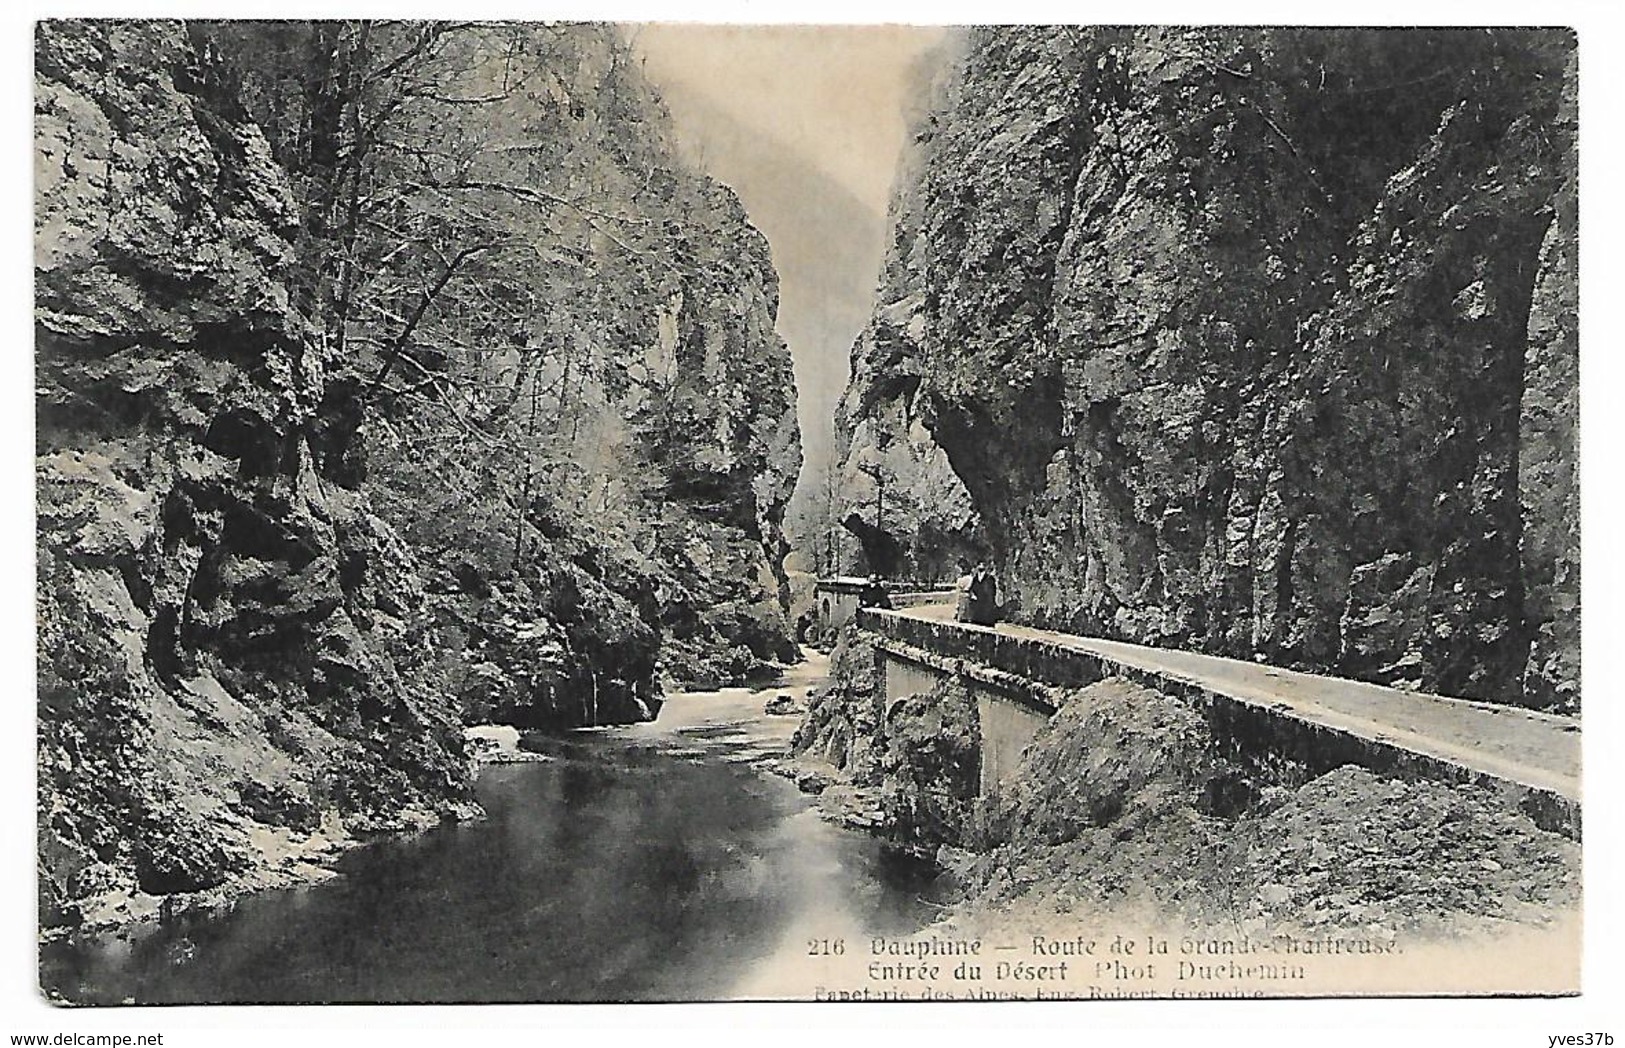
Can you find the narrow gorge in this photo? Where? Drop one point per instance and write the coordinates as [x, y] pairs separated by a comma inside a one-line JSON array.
[[392, 377], [461, 577]]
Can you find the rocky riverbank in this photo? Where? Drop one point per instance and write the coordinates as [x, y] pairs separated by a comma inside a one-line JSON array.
[[320, 481], [1124, 803]]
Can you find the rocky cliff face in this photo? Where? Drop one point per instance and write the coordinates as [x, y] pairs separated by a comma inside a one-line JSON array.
[[898, 494], [896, 491], [1548, 446], [653, 545], [717, 419], [263, 614], [229, 639], [1260, 342], [654, 404]]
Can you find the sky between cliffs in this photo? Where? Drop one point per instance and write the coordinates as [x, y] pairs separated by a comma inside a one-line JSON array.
[[807, 124]]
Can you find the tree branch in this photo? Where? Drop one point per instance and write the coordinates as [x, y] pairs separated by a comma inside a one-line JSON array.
[[537, 196], [1192, 57], [399, 346]]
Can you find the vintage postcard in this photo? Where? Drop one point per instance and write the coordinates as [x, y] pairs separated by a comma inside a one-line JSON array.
[[588, 512]]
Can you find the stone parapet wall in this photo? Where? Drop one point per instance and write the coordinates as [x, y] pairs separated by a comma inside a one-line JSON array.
[[1030, 677]]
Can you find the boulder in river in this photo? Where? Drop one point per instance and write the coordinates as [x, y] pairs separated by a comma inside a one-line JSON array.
[[781, 705]]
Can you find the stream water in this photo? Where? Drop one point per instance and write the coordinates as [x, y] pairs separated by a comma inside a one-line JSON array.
[[621, 870]]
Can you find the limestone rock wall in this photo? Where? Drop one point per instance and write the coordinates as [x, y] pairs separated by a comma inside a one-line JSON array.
[[1261, 342], [898, 494], [228, 636]]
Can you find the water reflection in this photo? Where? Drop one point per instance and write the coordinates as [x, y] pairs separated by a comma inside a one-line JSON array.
[[617, 872]]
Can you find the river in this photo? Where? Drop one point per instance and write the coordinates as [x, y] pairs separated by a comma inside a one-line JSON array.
[[650, 863]]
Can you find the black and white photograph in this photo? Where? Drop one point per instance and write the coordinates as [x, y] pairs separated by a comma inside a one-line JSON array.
[[576, 511]]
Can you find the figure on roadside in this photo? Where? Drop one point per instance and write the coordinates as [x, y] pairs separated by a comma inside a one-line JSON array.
[[874, 594], [978, 597], [807, 626]]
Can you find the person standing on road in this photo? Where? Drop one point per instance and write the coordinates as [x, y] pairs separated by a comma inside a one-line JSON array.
[[978, 601]]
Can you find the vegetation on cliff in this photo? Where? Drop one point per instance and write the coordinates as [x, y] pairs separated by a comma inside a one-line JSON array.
[[392, 375]]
